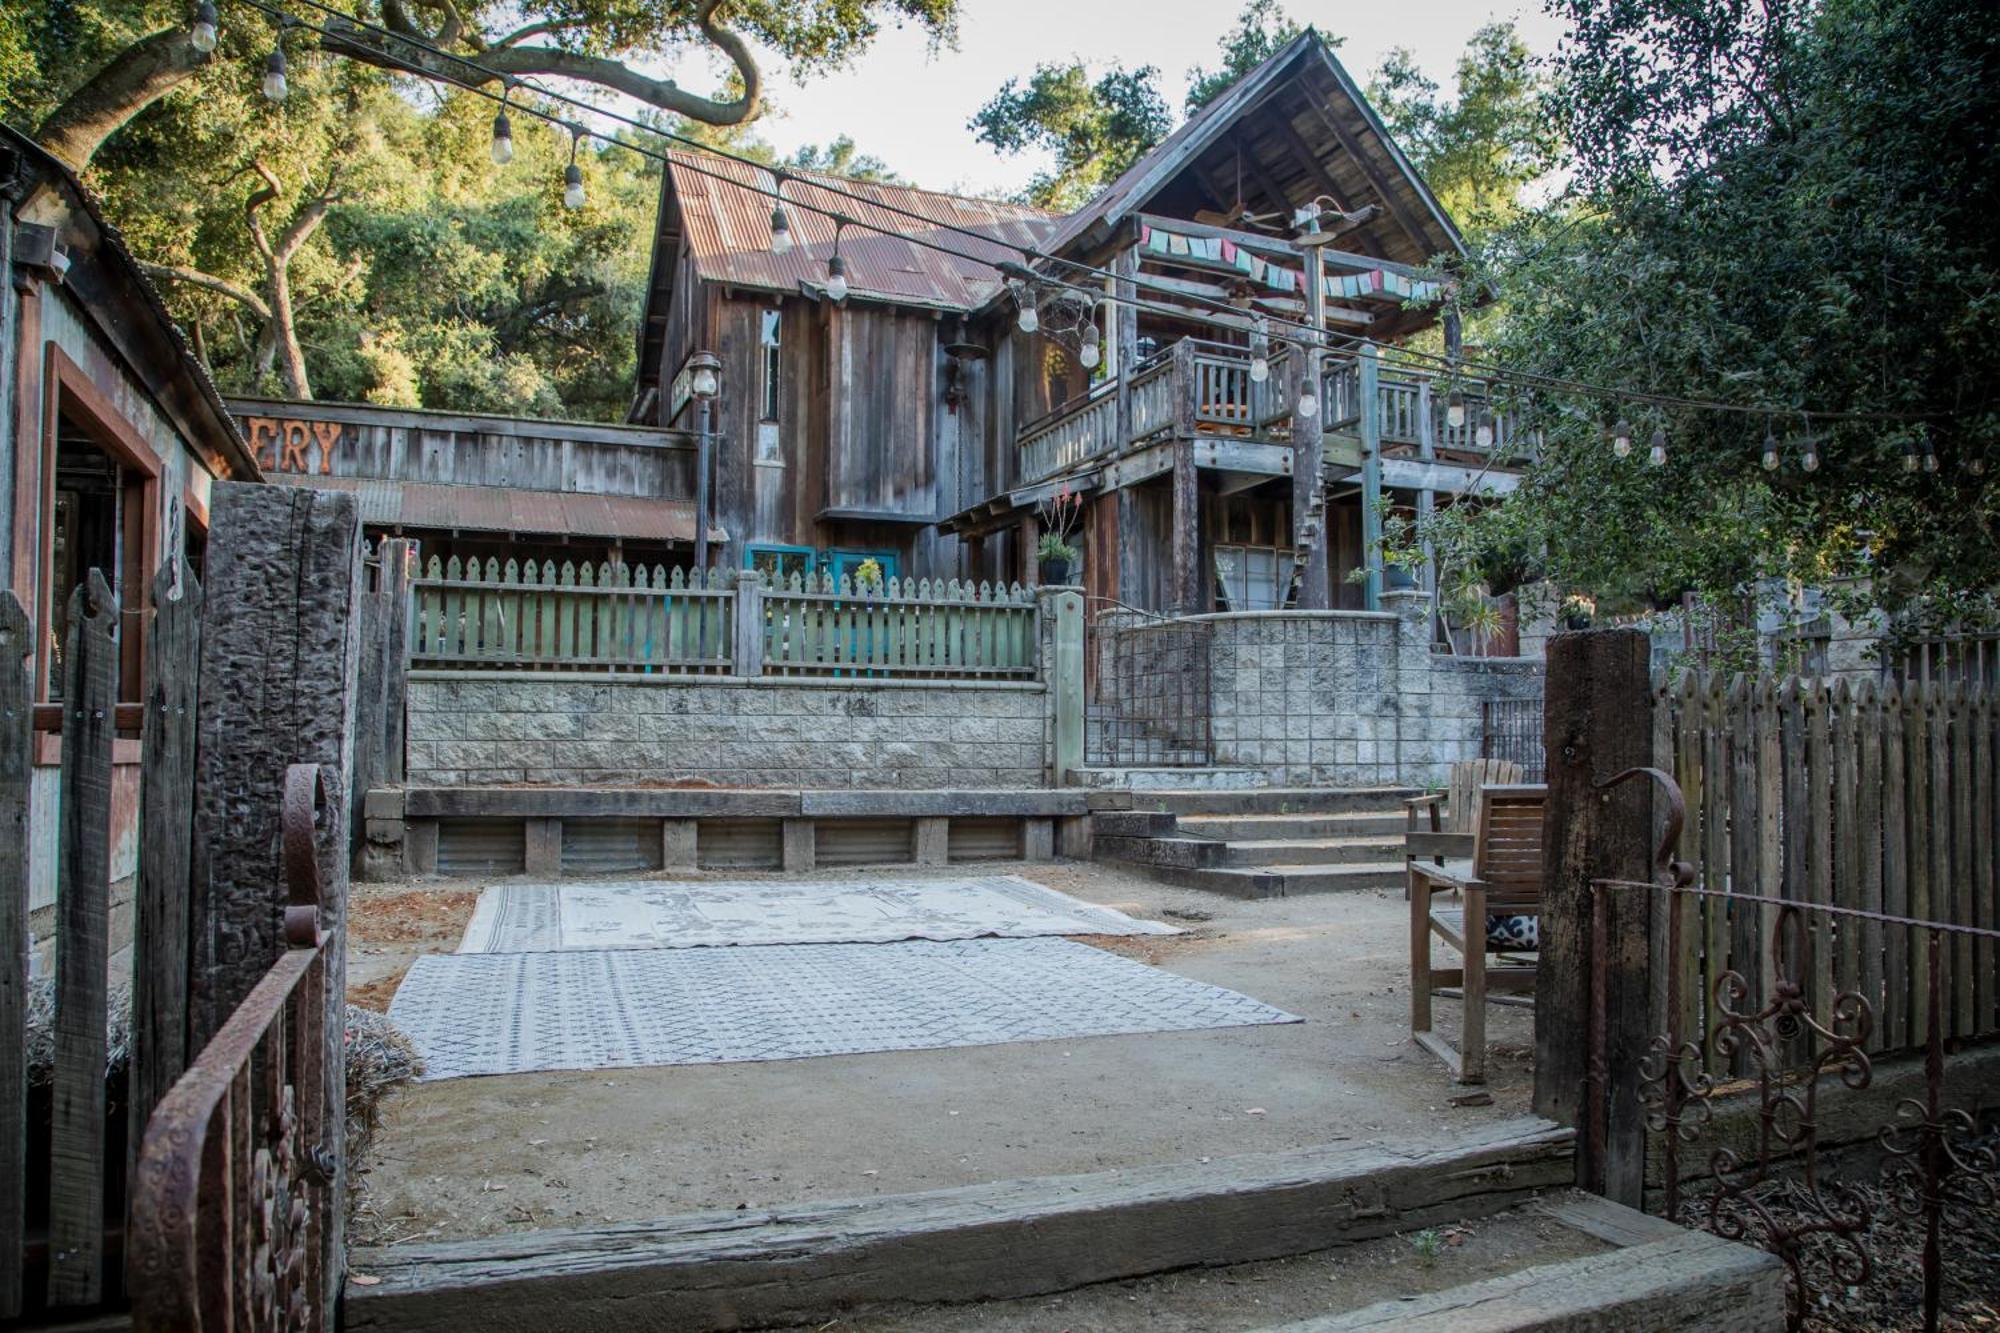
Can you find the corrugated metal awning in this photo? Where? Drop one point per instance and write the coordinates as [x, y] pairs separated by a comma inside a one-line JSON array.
[[428, 505]]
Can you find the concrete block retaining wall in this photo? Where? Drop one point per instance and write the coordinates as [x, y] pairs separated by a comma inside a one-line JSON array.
[[478, 728], [1340, 698]]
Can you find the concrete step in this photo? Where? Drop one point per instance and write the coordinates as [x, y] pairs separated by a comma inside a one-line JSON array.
[[807, 1260], [1194, 799], [1251, 828], [1210, 782], [1280, 880], [1159, 853], [1310, 851]]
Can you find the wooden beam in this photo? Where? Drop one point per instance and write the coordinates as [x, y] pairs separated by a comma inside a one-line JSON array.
[[17, 753], [1310, 161], [1390, 199]]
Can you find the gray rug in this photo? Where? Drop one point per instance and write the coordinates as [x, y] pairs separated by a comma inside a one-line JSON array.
[[474, 1014], [684, 914]]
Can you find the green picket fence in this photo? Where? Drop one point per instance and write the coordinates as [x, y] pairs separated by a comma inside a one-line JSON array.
[[816, 625], [544, 617]]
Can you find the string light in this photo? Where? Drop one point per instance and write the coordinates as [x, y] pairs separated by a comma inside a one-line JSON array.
[[1454, 410], [1930, 456], [573, 174], [1810, 460], [1088, 353], [1976, 465], [1910, 463], [1482, 434], [275, 87], [503, 139], [1770, 451], [1621, 439], [1260, 360], [1657, 454], [202, 36], [836, 267], [781, 224], [1024, 298]]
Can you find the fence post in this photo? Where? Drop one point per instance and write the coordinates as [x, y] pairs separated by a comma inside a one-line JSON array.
[[748, 651], [280, 651], [17, 639], [1062, 613], [1597, 723]]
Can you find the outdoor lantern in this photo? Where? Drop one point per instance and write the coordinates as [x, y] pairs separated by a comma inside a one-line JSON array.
[[1810, 462], [1770, 452], [781, 231], [1621, 438], [1454, 410], [202, 37], [572, 186], [836, 278], [704, 375], [274, 75], [503, 140], [1657, 455], [1482, 434]]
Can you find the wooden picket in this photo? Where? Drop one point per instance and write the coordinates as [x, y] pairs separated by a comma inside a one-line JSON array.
[[594, 617], [816, 625], [1882, 796]]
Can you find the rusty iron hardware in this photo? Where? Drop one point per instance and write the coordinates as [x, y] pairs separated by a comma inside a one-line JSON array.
[[231, 1193]]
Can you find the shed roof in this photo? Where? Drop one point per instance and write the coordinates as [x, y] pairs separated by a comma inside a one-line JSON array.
[[439, 507], [728, 230]]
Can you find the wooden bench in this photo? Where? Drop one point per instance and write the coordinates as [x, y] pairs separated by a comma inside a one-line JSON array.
[[1502, 878]]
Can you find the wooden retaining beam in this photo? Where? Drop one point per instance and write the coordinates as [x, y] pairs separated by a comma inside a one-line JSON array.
[[979, 1242]]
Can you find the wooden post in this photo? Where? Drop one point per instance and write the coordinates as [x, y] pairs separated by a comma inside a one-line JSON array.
[[1597, 723], [1309, 518], [280, 651], [541, 841], [166, 815], [17, 643], [382, 687], [83, 907], [1064, 611], [749, 645], [1185, 567], [1125, 343], [678, 844], [931, 840], [1370, 370], [799, 845]]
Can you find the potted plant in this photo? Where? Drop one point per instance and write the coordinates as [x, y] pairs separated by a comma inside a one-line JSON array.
[[1054, 553], [868, 577]]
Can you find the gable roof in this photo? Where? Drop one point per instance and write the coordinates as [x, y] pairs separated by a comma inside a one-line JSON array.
[[728, 231], [1364, 163]]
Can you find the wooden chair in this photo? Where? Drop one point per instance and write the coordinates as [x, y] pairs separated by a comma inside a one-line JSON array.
[[1438, 825], [1503, 878]]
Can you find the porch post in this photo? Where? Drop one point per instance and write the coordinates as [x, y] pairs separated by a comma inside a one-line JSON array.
[[1309, 520], [1371, 474], [1184, 545]]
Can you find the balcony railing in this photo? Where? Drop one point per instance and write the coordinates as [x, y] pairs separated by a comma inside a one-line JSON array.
[[1204, 387]]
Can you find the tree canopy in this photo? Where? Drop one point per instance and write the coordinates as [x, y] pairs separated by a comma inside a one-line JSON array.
[[1785, 207]]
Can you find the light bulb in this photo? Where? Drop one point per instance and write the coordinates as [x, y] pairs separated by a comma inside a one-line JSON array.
[[1090, 356], [1028, 321], [1308, 405], [1909, 459], [572, 186], [836, 279], [1657, 455], [1621, 439], [1810, 462], [781, 231], [1482, 435], [1454, 410], [503, 140], [1976, 466], [275, 87], [1930, 460], [202, 36], [1260, 369], [1770, 452]]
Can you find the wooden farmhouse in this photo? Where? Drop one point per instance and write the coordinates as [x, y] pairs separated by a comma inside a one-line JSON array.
[[113, 434], [914, 423]]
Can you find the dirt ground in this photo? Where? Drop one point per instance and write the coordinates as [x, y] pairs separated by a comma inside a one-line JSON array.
[[486, 1156]]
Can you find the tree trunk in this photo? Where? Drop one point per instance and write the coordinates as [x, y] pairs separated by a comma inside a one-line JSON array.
[[284, 334], [138, 76]]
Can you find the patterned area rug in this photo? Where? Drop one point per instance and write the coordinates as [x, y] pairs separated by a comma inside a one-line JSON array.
[[509, 1013], [673, 914]]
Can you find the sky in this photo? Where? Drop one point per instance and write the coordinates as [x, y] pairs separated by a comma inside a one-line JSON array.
[[909, 106]]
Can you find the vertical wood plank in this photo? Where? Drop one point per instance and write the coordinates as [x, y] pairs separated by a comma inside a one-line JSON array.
[[1895, 1013], [1962, 878], [166, 815], [1716, 847], [1770, 813], [1869, 800], [1746, 936], [1689, 724], [1917, 740], [1983, 794], [1818, 839], [1845, 779], [83, 893], [17, 641]]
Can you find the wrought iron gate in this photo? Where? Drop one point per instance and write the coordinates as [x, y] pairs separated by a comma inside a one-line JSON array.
[[1149, 696]]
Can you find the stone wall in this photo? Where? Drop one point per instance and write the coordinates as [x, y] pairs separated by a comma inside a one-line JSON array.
[[1344, 697], [478, 728]]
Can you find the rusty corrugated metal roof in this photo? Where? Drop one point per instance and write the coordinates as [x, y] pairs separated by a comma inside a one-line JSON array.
[[728, 232], [419, 504]]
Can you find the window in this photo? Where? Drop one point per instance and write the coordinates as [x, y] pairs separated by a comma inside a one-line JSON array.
[[767, 339], [1253, 578], [780, 562]]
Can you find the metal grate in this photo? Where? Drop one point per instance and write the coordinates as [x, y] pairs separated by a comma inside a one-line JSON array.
[[1512, 729], [1150, 691]]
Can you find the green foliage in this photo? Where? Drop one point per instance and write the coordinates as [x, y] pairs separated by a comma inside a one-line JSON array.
[[1428, 1244], [1053, 547], [1477, 150], [1094, 128], [1261, 30], [1786, 207]]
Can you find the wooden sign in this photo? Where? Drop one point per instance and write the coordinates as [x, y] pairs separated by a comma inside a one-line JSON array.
[[290, 444]]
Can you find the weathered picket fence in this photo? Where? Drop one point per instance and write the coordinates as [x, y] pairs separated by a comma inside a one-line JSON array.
[[625, 619], [1882, 797], [538, 616], [816, 625]]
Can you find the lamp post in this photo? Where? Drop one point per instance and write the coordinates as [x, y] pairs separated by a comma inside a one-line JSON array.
[[704, 382]]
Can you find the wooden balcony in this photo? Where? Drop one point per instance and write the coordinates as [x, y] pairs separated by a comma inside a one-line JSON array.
[[1203, 390]]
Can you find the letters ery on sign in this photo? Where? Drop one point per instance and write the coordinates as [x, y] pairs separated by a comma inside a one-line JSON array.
[[288, 444]]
